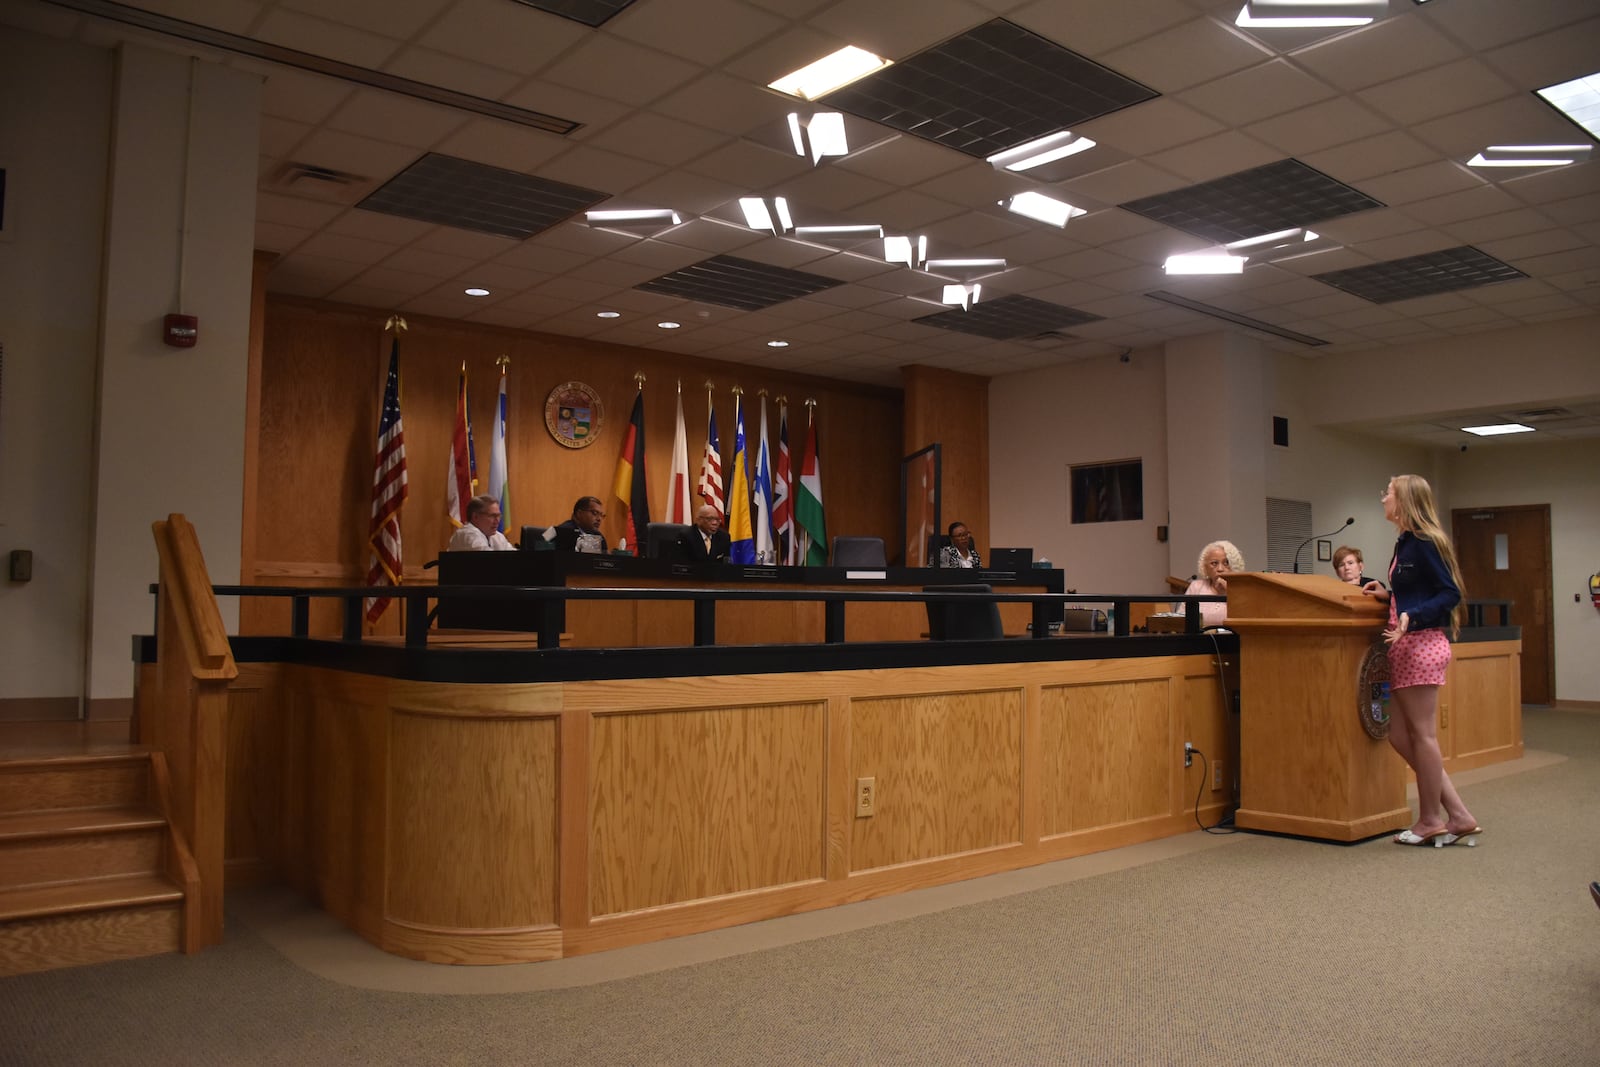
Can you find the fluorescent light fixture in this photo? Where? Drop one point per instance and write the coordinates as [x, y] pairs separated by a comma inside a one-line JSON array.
[[777, 344], [912, 251], [476, 291], [1497, 429], [1042, 208], [1280, 239], [1579, 100], [962, 296], [964, 270], [818, 135], [829, 73], [1205, 263], [634, 222], [839, 235], [608, 314], [1530, 155], [1038, 152], [767, 213], [1309, 14], [668, 325]]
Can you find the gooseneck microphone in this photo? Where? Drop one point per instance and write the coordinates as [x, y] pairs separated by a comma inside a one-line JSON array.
[[1347, 524]]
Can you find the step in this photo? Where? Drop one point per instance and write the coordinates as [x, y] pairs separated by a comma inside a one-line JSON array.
[[99, 894], [45, 942], [74, 781], [46, 847]]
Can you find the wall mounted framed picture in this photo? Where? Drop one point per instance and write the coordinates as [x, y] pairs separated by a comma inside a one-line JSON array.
[[1108, 492], [919, 504], [1325, 551]]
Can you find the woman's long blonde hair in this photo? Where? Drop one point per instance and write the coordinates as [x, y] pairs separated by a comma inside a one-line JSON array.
[[1413, 502]]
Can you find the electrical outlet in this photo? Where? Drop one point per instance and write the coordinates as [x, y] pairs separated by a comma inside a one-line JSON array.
[[866, 797], [1188, 753], [1216, 776]]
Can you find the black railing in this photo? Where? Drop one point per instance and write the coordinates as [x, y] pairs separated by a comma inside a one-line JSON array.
[[549, 601]]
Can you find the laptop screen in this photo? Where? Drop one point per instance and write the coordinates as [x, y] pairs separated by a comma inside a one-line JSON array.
[[1010, 559]]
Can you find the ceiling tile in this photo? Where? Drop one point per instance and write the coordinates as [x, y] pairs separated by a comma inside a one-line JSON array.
[[1420, 183], [1476, 230], [501, 144], [1093, 29], [1485, 24], [1389, 48], [1150, 127], [395, 118], [718, 30], [1551, 58], [364, 48], [1522, 119], [1256, 93], [897, 28], [592, 67], [1214, 157], [1443, 90], [1467, 204], [731, 105], [510, 37], [1320, 126], [1123, 182], [436, 68], [1371, 156], [657, 139], [1188, 54]]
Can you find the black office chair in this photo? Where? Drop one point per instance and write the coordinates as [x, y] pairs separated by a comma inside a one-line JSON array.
[[660, 537], [951, 620], [859, 552], [532, 538], [936, 543]]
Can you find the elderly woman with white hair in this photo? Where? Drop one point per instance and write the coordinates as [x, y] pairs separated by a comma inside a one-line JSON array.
[[1217, 561]]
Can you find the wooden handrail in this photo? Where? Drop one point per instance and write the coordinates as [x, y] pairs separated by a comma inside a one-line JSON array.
[[182, 716], [188, 587]]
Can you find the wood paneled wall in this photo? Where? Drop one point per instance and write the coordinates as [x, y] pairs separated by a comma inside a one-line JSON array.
[[951, 409], [312, 435]]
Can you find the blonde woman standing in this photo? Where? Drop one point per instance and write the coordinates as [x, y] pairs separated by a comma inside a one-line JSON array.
[[1425, 602]]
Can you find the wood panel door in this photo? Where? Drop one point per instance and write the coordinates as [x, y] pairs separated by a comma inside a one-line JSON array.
[[1505, 555]]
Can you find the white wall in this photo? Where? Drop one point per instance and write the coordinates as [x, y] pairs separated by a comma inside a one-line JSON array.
[[1095, 411], [1565, 475], [105, 429], [55, 114]]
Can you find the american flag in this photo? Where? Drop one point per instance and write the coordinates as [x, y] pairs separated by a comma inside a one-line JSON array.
[[710, 487], [388, 490]]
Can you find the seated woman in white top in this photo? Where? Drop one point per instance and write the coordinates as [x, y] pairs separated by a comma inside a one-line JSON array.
[[959, 552], [1217, 560], [482, 531]]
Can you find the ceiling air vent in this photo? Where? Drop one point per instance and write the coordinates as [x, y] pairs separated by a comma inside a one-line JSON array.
[[308, 176], [1543, 413]]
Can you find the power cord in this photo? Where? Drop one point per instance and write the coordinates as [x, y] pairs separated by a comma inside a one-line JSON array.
[[1205, 773], [1205, 764]]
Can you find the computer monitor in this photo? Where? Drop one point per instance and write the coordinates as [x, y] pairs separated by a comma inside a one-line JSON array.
[[1009, 559]]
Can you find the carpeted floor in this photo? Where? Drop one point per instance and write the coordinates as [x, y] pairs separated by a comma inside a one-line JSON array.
[[1245, 950]]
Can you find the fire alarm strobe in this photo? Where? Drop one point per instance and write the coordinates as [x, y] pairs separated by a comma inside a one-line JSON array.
[[180, 331]]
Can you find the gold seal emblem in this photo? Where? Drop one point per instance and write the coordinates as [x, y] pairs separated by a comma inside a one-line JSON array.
[[573, 414]]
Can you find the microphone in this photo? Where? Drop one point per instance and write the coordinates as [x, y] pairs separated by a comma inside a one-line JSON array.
[[1347, 524]]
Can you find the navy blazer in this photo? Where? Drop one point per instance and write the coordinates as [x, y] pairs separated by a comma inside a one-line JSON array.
[[1422, 584]]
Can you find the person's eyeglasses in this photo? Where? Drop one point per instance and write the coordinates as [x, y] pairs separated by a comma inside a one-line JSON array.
[[596, 512]]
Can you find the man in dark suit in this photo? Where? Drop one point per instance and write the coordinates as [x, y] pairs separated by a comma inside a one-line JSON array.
[[708, 541], [581, 533]]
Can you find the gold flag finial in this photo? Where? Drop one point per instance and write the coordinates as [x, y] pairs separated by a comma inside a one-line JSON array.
[[503, 362], [782, 398], [761, 392], [395, 323], [638, 376], [738, 390]]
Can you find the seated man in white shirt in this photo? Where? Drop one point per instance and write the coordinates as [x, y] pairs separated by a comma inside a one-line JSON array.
[[482, 531]]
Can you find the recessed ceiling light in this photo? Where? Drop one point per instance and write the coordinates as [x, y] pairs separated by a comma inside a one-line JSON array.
[[608, 314], [818, 135], [1309, 14], [1042, 208], [777, 344], [668, 325], [767, 213], [1041, 151], [829, 73], [1530, 155], [1579, 100], [476, 291], [1497, 429], [1205, 263]]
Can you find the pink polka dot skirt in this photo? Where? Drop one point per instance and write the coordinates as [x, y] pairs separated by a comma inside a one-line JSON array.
[[1418, 658]]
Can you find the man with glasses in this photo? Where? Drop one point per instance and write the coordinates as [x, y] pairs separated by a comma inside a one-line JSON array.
[[581, 533], [482, 531]]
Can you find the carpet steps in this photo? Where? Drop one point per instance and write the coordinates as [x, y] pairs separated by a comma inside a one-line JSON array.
[[83, 859]]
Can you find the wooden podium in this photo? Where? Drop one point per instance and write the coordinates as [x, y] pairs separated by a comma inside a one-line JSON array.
[[1306, 764]]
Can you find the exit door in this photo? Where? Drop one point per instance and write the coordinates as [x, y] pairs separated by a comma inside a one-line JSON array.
[[1505, 555]]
